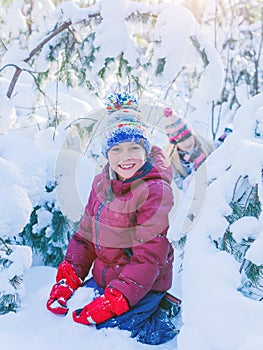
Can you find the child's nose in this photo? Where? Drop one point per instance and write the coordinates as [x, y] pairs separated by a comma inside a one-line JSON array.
[[126, 154]]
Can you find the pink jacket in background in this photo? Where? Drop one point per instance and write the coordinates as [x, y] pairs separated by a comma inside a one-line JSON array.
[[123, 231]]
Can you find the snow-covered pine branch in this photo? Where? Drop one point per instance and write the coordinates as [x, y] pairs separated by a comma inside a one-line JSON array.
[[84, 49]]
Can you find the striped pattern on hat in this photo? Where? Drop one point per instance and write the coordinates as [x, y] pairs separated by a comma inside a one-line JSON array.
[[124, 124], [176, 127]]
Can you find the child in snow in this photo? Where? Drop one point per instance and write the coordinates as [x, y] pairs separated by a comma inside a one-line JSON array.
[[186, 149], [122, 235]]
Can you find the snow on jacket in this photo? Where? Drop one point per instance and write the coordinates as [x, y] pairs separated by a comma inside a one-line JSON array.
[[123, 231]]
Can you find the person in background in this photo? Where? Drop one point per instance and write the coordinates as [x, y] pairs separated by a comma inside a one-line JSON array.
[[186, 148], [122, 235]]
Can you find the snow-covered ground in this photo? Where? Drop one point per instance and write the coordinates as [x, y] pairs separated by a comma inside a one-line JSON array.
[[33, 327]]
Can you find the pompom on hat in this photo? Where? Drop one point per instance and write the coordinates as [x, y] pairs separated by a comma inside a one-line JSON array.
[[124, 123], [176, 127]]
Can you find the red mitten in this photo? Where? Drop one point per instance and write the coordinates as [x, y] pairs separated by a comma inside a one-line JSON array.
[[110, 304], [67, 283]]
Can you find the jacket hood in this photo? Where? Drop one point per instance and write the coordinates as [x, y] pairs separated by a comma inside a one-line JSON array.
[[162, 167]]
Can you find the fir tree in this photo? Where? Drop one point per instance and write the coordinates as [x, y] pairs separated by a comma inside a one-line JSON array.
[[12, 266], [48, 238], [245, 202]]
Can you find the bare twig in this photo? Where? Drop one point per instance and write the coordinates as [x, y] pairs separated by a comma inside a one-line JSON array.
[[55, 32], [6, 248], [33, 52], [80, 118], [4, 45], [255, 80]]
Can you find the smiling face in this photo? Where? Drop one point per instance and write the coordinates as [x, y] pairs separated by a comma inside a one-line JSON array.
[[187, 145], [126, 158]]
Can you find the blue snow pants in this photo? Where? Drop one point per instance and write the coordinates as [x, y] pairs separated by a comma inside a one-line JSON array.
[[146, 321]]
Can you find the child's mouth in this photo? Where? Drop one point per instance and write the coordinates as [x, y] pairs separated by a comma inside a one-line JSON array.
[[126, 166]]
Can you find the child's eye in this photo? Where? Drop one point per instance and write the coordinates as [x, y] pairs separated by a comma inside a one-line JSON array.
[[134, 148], [115, 149]]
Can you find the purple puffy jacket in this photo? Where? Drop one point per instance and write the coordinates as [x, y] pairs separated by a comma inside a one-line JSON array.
[[123, 231]]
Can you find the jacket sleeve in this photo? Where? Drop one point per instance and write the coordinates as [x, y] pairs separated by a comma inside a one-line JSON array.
[[152, 252], [80, 252]]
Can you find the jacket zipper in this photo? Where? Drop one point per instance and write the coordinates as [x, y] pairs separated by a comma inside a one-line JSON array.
[[98, 215], [97, 224], [97, 230]]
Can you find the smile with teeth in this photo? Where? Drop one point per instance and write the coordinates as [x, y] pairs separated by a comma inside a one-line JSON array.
[[126, 166]]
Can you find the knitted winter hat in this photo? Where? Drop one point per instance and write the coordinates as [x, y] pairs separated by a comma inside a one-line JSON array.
[[124, 124], [176, 127]]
